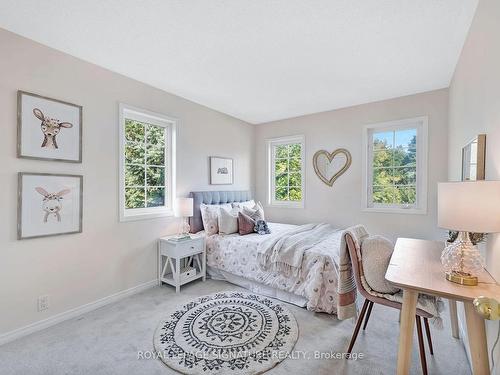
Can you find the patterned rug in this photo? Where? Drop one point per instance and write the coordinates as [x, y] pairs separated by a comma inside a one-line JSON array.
[[226, 333]]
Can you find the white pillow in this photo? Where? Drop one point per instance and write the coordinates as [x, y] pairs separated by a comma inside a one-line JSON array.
[[228, 221], [210, 216], [256, 212], [248, 204], [376, 252]]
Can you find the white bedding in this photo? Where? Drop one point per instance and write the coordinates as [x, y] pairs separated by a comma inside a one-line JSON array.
[[317, 282]]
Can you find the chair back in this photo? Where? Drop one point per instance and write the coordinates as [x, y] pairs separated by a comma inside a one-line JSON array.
[[357, 266]]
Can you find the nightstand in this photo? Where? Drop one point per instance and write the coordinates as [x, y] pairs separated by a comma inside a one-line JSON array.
[[180, 262]]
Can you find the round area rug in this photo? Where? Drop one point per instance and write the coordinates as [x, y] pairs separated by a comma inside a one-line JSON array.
[[226, 333]]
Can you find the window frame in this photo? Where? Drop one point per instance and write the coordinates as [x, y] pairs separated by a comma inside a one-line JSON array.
[[271, 170], [420, 207], [170, 124]]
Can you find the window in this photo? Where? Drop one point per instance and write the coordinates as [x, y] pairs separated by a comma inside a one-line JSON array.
[[286, 171], [395, 166], [147, 152]]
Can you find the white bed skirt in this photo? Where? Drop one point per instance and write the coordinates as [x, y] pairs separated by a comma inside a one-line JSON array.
[[256, 287]]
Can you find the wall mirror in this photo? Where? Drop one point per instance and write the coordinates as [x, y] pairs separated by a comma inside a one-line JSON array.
[[473, 159], [331, 165]]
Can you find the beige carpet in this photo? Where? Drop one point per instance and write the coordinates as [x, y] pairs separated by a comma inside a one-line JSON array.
[[110, 340]]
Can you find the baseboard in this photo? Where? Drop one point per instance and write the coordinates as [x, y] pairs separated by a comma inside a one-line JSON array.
[[61, 317]]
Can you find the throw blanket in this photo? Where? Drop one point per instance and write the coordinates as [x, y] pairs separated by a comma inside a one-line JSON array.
[[285, 253], [346, 285]]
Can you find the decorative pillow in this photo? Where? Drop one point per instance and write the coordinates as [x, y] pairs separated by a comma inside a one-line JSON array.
[[246, 224], [248, 204], [376, 252], [256, 212], [210, 215], [228, 221]]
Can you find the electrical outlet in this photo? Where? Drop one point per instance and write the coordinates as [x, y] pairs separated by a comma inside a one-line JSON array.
[[43, 303]]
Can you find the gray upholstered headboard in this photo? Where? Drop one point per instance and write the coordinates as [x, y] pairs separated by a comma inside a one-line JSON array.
[[213, 197]]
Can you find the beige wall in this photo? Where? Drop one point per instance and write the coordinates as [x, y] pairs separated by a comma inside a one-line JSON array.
[[475, 108], [341, 204], [108, 256]]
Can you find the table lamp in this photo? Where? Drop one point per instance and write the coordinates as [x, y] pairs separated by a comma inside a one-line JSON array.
[[183, 208], [472, 206]]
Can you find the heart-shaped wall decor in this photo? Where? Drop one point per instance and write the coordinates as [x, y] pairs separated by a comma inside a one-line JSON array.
[[331, 165]]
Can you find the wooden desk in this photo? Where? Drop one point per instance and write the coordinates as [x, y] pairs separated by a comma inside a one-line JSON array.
[[415, 267]]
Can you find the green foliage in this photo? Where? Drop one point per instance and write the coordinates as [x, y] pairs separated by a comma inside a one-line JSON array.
[[282, 180], [144, 165], [134, 131], [394, 173], [134, 175], [295, 165], [155, 197], [288, 167], [281, 194], [155, 155], [134, 198], [155, 135], [155, 176], [295, 150], [281, 166], [281, 151], [295, 194], [134, 153], [295, 179]]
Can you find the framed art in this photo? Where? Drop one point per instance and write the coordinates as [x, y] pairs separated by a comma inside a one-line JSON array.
[[221, 171], [49, 204], [48, 129], [473, 159]]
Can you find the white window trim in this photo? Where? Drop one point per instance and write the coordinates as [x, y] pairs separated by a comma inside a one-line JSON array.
[[271, 173], [170, 123], [422, 165]]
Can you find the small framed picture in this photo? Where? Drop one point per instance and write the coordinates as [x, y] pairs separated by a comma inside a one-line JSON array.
[[49, 204], [221, 171], [48, 129]]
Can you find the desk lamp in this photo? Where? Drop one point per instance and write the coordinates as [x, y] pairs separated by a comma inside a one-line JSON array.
[[471, 206]]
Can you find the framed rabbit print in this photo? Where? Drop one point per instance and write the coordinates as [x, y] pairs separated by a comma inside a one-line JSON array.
[[49, 204], [221, 171], [48, 129]]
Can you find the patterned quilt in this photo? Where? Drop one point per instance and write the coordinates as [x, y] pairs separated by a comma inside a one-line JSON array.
[[318, 281]]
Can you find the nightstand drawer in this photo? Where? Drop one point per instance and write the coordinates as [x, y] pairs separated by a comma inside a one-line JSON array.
[[190, 247], [181, 249]]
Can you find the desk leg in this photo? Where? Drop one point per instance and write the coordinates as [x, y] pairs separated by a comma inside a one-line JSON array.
[[454, 318], [406, 331], [477, 340]]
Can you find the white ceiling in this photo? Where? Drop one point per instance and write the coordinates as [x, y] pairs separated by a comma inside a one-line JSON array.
[[259, 60]]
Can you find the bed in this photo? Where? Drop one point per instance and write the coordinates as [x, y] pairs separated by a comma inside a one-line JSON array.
[[325, 283]]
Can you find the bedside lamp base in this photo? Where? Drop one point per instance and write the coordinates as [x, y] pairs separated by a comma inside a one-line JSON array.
[[461, 278], [183, 233]]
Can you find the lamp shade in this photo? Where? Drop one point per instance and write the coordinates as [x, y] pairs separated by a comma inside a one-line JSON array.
[[183, 207], [472, 206]]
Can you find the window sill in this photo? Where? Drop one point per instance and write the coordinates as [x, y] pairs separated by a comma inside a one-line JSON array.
[[286, 204], [145, 216], [396, 210]]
